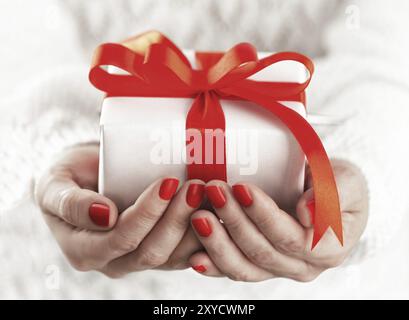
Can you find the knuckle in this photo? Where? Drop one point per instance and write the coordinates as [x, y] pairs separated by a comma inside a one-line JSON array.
[[264, 219], [234, 225], [177, 263], [68, 207], [334, 261], [41, 189], [149, 212], [79, 264], [120, 242], [238, 275], [217, 249], [348, 169], [150, 259], [178, 225], [305, 277], [290, 245], [113, 274], [261, 257]]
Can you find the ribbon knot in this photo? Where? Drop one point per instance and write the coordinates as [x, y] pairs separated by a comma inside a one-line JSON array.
[[153, 66]]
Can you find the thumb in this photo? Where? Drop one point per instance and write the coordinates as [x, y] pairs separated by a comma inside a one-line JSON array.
[[59, 195], [306, 208]]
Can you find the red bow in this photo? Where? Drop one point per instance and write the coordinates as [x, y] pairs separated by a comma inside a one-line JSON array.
[[157, 68]]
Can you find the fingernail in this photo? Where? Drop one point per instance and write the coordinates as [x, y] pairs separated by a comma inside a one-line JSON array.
[[311, 210], [194, 195], [99, 214], [202, 227], [242, 195], [216, 196], [199, 268], [168, 188]]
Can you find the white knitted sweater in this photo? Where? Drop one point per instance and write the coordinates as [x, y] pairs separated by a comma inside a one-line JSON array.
[[361, 80]]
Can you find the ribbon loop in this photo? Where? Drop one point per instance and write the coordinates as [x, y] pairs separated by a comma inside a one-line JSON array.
[[235, 64], [155, 67]]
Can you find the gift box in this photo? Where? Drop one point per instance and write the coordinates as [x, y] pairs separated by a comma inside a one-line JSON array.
[[244, 110]]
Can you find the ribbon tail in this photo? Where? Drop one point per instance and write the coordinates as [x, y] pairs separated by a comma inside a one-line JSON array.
[[327, 208], [321, 228]]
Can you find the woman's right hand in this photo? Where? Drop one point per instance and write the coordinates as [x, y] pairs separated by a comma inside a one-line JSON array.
[[152, 233]]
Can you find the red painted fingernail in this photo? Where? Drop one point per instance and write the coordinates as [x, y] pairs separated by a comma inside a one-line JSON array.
[[311, 209], [200, 268], [202, 226], [242, 194], [194, 195], [168, 188], [216, 196], [99, 214]]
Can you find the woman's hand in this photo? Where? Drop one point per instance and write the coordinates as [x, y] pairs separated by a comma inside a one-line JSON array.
[[152, 233], [257, 240]]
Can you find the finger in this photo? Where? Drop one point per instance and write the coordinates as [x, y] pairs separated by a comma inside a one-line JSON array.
[[137, 221], [202, 264], [352, 193], [351, 185], [288, 236], [280, 228], [82, 208], [93, 250], [84, 249], [158, 245], [352, 188], [306, 209], [189, 245], [328, 248], [223, 252], [245, 233], [353, 202]]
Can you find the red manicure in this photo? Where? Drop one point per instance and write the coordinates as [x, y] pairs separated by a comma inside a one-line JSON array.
[[216, 196], [202, 226], [194, 195], [168, 188], [99, 214], [242, 194], [200, 268], [311, 209]]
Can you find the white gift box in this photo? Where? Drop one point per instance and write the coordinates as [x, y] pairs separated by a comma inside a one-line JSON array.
[[143, 138]]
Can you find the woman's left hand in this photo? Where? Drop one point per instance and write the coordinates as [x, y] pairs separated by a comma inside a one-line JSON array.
[[258, 241]]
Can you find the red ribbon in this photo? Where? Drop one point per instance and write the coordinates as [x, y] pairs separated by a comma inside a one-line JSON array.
[[157, 68]]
